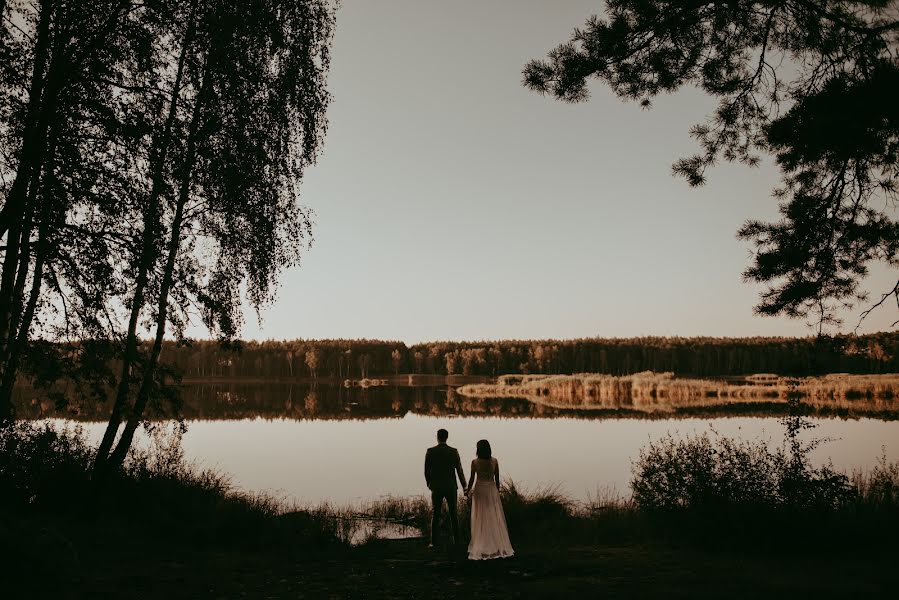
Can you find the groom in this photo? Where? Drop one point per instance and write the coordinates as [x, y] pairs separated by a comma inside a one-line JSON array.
[[440, 463]]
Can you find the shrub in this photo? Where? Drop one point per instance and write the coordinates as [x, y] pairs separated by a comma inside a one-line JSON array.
[[157, 495], [42, 466], [701, 473]]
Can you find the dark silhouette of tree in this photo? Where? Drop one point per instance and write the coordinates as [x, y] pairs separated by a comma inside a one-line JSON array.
[[145, 254], [811, 82], [151, 159], [66, 132], [254, 99]]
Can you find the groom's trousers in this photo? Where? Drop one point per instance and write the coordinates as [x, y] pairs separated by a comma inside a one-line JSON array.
[[437, 498]]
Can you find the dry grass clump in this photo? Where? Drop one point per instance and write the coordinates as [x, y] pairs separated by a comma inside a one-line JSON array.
[[880, 486], [663, 392]]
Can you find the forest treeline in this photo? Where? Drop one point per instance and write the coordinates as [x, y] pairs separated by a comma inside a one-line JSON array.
[[698, 357]]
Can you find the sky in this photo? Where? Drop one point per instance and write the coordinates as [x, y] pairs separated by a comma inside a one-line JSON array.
[[453, 204]]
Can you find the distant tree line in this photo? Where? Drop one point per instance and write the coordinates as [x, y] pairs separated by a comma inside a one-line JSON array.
[[701, 356]]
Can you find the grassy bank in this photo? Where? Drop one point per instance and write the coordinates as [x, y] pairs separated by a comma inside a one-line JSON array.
[[55, 518], [184, 531]]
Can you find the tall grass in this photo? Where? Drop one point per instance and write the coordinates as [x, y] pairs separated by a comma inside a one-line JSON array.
[[879, 488]]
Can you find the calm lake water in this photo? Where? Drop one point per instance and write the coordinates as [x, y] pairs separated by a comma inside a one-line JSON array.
[[325, 442]]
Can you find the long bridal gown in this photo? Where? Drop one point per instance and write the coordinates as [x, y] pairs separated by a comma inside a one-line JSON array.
[[489, 536]]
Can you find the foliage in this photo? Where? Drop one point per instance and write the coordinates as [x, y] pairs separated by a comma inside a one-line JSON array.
[[41, 466], [702, 474], [153, 154], [60, 170], [809, 82], [45, 475]]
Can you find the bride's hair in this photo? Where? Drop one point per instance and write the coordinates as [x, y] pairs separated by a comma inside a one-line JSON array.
[[483, 450]]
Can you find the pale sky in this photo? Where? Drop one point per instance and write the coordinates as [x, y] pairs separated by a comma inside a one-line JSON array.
[[451, 203]]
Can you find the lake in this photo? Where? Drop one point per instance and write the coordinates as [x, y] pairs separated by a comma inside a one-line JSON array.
[[309, 443]]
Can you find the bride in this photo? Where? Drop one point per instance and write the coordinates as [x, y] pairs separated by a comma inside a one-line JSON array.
[[489, 536]]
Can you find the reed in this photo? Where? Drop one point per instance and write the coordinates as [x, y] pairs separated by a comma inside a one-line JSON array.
[[651, 392]]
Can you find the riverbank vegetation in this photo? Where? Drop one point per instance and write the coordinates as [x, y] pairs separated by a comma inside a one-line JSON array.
[[46, 487], [60, 524], [664, 393]]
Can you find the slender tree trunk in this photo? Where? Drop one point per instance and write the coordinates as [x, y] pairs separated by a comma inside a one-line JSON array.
[[16, 267], [47, 81], [147, 258], [22, 319], [28, 155], [121, 450], [22, 269], [19, 321], [15, 355], [13, 216], [19, 258]]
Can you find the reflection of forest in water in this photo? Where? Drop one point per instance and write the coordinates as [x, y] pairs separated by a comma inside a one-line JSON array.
[[649, 392], [331, 401], [238, 400]]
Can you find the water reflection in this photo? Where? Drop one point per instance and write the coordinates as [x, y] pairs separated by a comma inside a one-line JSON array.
[[323, 401], [350, 460], [313, 443]]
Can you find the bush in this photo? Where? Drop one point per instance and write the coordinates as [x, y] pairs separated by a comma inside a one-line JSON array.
[[699, 473], [40, 466], [158, 496]]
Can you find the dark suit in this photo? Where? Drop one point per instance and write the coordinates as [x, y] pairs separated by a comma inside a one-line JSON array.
[[441, 465]]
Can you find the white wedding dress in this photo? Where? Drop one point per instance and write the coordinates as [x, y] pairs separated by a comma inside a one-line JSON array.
[[489, 536]]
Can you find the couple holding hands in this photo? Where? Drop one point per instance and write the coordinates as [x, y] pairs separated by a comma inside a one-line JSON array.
[[489, 536]]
